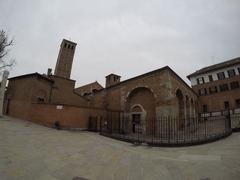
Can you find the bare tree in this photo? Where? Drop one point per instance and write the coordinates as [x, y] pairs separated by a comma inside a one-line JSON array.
[[5, 44]]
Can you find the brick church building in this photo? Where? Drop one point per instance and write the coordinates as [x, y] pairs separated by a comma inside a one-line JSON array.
[[47, 98]]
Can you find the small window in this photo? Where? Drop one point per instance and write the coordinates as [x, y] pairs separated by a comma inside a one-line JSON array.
[[234, 85], [213, 89], [221, 75], [231, 73], [202, 92], [223, 87], [40, 99], [85, 94], [210, 78], [226, 105], [237, 103], [200, 80], [72, 47], [68, 46], [94, 90], [65, 45], [205, 108], [115, 78]]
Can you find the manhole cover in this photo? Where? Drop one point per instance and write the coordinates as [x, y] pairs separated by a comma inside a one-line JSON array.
[[79, 178], [207, 178]]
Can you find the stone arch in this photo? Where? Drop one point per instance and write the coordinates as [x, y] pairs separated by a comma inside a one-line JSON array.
[[137, 88], [142, 97], [137, 108], [141, 100], [181, 109]]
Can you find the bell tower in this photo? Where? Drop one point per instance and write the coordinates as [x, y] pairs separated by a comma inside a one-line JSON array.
[[65, 59]]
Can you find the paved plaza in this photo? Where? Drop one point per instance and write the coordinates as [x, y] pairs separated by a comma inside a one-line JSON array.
[[29, 151]]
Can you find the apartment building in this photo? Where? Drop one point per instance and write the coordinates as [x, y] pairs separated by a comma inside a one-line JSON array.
[[218, 86]]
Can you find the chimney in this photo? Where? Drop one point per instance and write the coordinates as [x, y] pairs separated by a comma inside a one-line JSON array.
[[49, 72], [112, 79]]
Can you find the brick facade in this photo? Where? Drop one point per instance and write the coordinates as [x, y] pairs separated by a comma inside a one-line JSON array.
[[218, 86], [88, 89], [155, 90], [215, 101], [155, 93], [39, 98]]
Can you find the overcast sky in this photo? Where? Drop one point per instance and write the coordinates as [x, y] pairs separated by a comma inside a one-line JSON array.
[[128, 38]]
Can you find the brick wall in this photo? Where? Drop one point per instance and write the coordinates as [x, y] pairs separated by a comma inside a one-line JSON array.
[[69, 117], [163, 86], [63, 92], [215, 101]]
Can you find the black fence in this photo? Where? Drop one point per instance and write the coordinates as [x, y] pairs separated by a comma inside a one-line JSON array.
[[232, 114], [165, 131], [93, 123]]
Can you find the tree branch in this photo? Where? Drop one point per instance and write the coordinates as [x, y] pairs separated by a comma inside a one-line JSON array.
[[4, 49]]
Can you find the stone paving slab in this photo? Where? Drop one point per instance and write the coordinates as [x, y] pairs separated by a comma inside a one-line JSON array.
[[29, 151]]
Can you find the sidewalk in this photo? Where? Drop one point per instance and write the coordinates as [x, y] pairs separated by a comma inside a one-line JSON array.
[[29, 151]]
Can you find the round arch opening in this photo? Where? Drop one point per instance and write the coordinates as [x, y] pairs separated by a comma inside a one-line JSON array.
[[141, 107]]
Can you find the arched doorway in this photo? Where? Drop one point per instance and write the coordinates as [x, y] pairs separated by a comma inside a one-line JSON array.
[[141, 106], [137, 117], [181, 113]]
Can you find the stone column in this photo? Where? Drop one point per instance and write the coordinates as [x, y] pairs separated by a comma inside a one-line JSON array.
[[2, 90]]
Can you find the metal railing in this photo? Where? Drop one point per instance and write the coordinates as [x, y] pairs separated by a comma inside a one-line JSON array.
[[166, 131]]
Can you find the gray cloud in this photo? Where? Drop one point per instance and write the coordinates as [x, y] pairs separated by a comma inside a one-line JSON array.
[[124, 37]]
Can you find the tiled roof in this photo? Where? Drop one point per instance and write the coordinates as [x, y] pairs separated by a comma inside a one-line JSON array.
[[216, 67], [31, 75], [90, 84], [152, 72]]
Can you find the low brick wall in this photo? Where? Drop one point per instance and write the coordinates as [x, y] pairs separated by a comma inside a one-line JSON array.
[[69, 117]]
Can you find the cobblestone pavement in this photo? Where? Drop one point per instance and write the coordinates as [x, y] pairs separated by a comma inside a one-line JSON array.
[[29, 151]]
